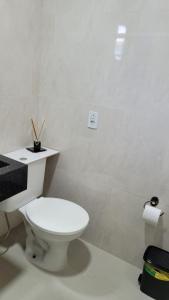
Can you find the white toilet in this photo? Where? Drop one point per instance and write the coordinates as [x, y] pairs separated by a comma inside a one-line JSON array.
[[51, 223]]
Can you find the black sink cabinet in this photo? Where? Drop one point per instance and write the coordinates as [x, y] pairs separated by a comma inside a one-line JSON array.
[[13, 177]]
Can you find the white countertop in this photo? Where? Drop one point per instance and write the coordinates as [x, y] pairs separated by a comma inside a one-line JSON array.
[[25, 156]]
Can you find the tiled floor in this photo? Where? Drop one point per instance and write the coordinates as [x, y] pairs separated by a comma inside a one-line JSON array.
[[92, 274]]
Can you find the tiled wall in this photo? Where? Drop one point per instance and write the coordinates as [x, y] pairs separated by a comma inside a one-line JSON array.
[[19, 52], [88, 63]]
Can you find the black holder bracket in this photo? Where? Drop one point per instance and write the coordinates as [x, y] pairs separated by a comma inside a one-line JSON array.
[[154, 201]]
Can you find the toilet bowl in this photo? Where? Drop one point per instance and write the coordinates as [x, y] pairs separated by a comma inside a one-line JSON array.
[[51, 223]]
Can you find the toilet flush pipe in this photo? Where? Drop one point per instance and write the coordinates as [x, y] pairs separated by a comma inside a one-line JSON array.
[[6, 235]]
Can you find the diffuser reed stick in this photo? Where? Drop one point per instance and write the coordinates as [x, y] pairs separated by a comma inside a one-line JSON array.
[[34, 129], [41, 129], [37, 136]]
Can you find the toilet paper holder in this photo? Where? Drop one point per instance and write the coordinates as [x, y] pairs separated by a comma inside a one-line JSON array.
[[154, 201]]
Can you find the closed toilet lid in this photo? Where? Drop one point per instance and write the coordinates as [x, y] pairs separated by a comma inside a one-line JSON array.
[[57, 216]]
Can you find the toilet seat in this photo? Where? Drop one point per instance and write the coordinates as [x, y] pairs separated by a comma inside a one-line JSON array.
[[57, 216]]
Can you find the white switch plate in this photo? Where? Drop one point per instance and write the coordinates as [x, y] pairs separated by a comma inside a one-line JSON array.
[[93, 119]]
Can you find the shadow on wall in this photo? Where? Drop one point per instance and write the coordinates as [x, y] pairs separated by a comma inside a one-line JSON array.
[[49, 173], [154, 235], [17, 236]]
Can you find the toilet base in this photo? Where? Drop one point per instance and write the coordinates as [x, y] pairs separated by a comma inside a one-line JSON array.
[[50, 256], [46, 250]]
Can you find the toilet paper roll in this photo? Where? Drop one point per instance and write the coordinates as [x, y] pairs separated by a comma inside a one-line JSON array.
[[151, 215]]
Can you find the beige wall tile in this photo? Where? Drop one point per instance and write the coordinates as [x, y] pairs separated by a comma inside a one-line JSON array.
[[113, 170], [19, 52]]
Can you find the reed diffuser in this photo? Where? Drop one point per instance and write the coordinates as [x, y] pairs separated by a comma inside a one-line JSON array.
[[37, 134]]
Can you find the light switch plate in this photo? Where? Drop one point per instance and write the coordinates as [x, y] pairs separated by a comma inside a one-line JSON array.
[[93, 119]]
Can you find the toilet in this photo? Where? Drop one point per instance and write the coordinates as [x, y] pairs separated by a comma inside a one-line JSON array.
[[50, 223]]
